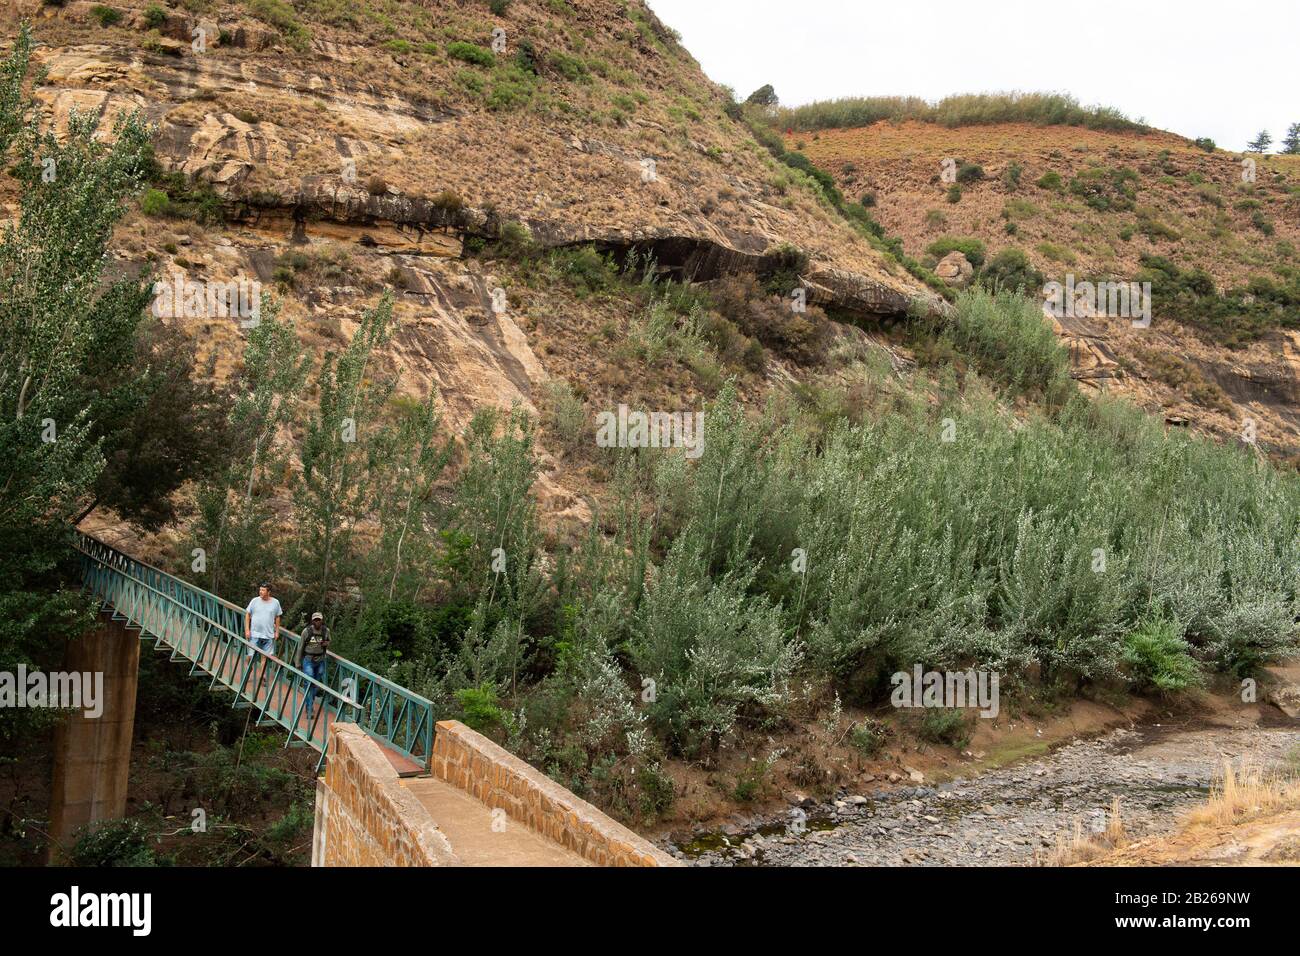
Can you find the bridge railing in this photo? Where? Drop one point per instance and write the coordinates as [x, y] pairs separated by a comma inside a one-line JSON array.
[[208, 631]]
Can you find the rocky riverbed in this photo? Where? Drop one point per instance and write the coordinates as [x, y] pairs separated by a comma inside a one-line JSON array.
[[1007, 816]]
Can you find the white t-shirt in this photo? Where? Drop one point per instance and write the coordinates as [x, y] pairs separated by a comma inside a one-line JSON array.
[[264, 614]]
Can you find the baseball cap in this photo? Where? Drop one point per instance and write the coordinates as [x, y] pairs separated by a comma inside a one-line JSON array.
[[318, 616]]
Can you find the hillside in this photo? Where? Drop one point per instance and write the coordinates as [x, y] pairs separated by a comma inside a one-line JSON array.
[[329, 151], [1100, 204], [479, 228]]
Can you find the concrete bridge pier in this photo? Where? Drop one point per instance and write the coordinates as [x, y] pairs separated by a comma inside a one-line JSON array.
[[92, 755]]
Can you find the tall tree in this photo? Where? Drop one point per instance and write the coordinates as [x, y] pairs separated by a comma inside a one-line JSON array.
[[341, 449], [236, 528], [413, 455], [167, 430], [59, 322], [765, 95], [1260, 143], [1291, 142]]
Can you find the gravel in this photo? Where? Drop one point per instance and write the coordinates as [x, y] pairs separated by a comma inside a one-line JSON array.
[[1005, 816]]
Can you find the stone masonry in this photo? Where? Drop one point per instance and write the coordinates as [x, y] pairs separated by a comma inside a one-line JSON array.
[[470, 761], [364, 817]]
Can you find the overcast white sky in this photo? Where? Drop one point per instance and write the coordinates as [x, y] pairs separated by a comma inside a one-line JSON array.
[[1222, 69]]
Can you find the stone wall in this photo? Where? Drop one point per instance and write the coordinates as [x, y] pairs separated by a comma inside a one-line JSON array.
[[364, 816], [470, 761]]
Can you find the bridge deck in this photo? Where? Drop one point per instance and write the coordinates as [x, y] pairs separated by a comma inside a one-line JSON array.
[[467, 824], [274, 693], [206, 631]]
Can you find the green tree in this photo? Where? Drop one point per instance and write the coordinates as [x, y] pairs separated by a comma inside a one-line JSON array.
[[1291, 142], [341, 452], [1260, 143], [169, 429], [401, 561], [235, 528], [60, 321], [765, 96]]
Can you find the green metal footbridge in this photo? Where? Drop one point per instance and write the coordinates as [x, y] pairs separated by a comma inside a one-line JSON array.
[[206, 631]]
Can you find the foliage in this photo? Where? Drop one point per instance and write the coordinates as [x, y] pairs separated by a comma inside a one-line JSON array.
[[1042, 109], [471, 53], [106, 16], [114, 843], [1010, 342], [236, 508], [340, 453], [1011, 271], [1260, 143], [280, 15], [943, 726], [1157, 657], [63, 322], [971, 248], [1232, 316]]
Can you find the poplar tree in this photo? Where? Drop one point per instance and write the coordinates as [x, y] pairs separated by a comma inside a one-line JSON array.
[[342, 452], [236, 538]]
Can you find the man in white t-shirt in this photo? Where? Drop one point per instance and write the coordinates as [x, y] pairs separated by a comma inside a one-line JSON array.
[[262, 620]]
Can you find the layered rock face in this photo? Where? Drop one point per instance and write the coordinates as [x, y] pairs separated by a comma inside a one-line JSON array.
[[350, 137], [343, 153]]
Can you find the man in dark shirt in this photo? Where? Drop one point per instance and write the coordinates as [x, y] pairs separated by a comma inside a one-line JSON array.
[[315, 643]]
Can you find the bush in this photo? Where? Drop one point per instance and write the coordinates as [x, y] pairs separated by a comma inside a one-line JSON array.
[[954, 194], [585, 269], [1008, 340], [106, 16], [713, 649], [567, 66], [448, 201], [154, 202], [769, 319], [512, 88], [514, 241], [1232, 317], [471, 53], [1050, 180], [1153, 228], [1106, 190], [867, 737], [1205, 143], [943, 726], [971, 248], [480, 710], [526, 57], [1043, 109], [155, 17], [114, 843], [1011, 271], [1156, 657], [1262, 223], [568, 415], [281, 16], [969, 172]]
